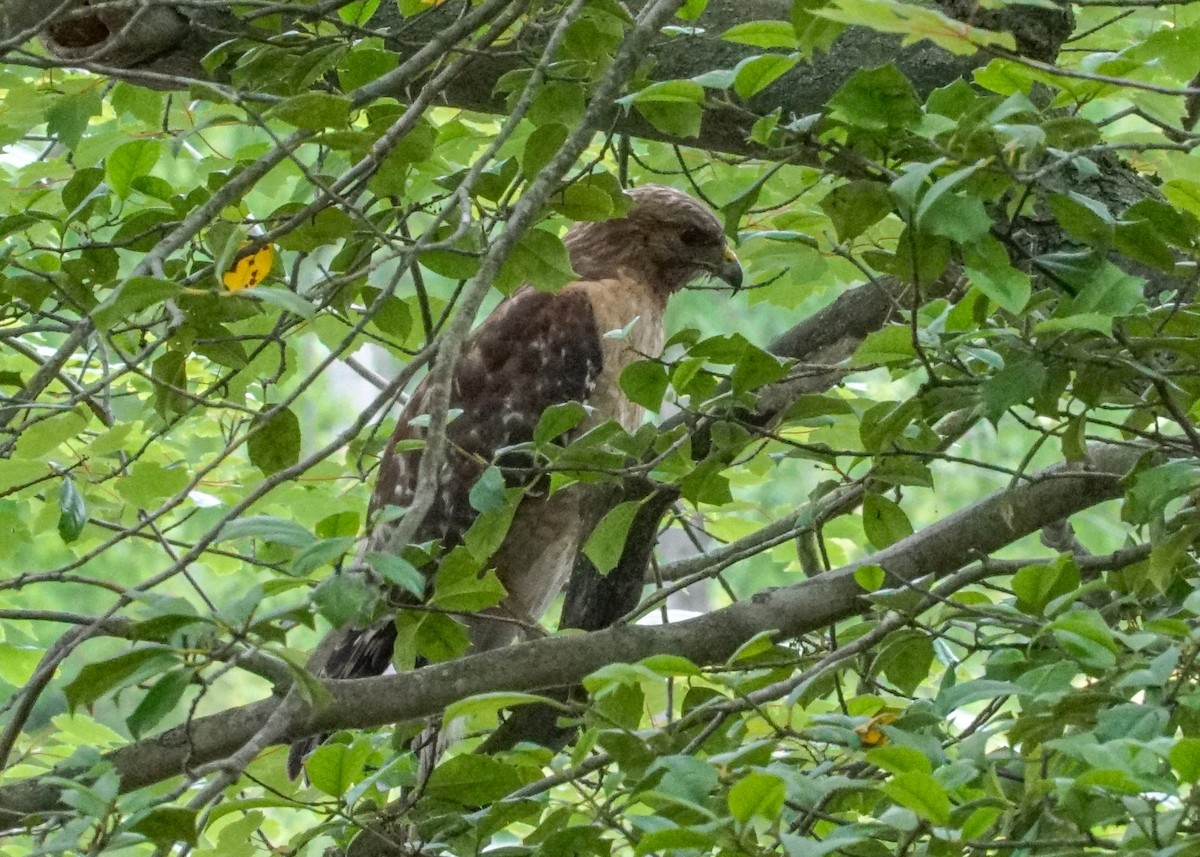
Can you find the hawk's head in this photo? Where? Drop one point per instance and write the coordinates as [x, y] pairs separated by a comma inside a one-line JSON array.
[[667, 239]]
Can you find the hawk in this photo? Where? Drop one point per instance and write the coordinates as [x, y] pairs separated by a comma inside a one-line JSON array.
[[536, 350]]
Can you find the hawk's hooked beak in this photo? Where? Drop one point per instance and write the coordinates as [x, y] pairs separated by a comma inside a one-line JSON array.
[[730, 270]]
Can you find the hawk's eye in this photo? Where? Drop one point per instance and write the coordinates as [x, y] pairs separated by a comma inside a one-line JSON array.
[[694, 237]]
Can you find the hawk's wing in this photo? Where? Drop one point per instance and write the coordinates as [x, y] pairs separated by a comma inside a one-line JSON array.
[[535, 350]]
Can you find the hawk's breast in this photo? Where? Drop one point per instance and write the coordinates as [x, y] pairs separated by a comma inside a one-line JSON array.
[[628, 316]]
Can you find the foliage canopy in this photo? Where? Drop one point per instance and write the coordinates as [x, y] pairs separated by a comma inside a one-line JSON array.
[[971, 319]]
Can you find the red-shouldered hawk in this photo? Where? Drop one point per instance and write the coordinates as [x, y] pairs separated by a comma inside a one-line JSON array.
[[535, 350]]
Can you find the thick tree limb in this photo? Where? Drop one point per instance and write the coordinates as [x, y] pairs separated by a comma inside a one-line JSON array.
[[979, 529], [161, 45]]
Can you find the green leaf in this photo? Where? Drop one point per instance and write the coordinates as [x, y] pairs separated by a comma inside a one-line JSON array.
[[540, 258], [671, 106], [687, 779], [326, 551], [473, 780], [907, 188], [1018, 382], [1037, 585], [159, 701], [755, 368], [345, 523], [133, 296], [763, 129], [916, 23], [334, 768], [558, 102], [81, 187], [72, 511], [980, 822], [129, 161], [1175, 227], [922, 794], [148, 483], [905, 660], [842, 838], [163, 627], [856, 206], [898, 760], [1086, 635], [459, 585], [1083, 217], [953, 698], [960, 218], [758, 794], [670, 665], [892, 344], [720, 78], [314, 111], [437, 637], [1185, 759], [324, 229], [754, 74], [365, 61], [18, 663], [940, 192], [884, 522], [488, 491], [763, 641], [541, 146], [557, 420], [607, 541], [113, 439], [67, 116], [269, 528], [487, 533], [870, 577], [170, 385], [763, 34], [282, 298], [97, 678], [1109, 292], [589, 199], [879, 99], [167, 825], [398, 571], [1153, 489], [47, 435], [236, 838], [886, 422], [274, 443], [341, 598], [1071, 132], [685, 839], [486, 704], [987, 265], [645, 382]]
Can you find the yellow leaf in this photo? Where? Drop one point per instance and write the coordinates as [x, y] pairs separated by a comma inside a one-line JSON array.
[[250, 269], [870, 734]]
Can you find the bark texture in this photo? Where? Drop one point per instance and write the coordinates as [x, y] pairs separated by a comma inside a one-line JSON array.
[[161, 45]]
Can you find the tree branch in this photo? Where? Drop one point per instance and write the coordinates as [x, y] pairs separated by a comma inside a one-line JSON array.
[[163, 50], [979, 529]]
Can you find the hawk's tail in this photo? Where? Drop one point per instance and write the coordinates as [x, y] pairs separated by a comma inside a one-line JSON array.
[[355, 654]]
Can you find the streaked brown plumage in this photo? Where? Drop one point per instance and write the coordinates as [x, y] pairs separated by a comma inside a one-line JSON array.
[[536, 350]]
